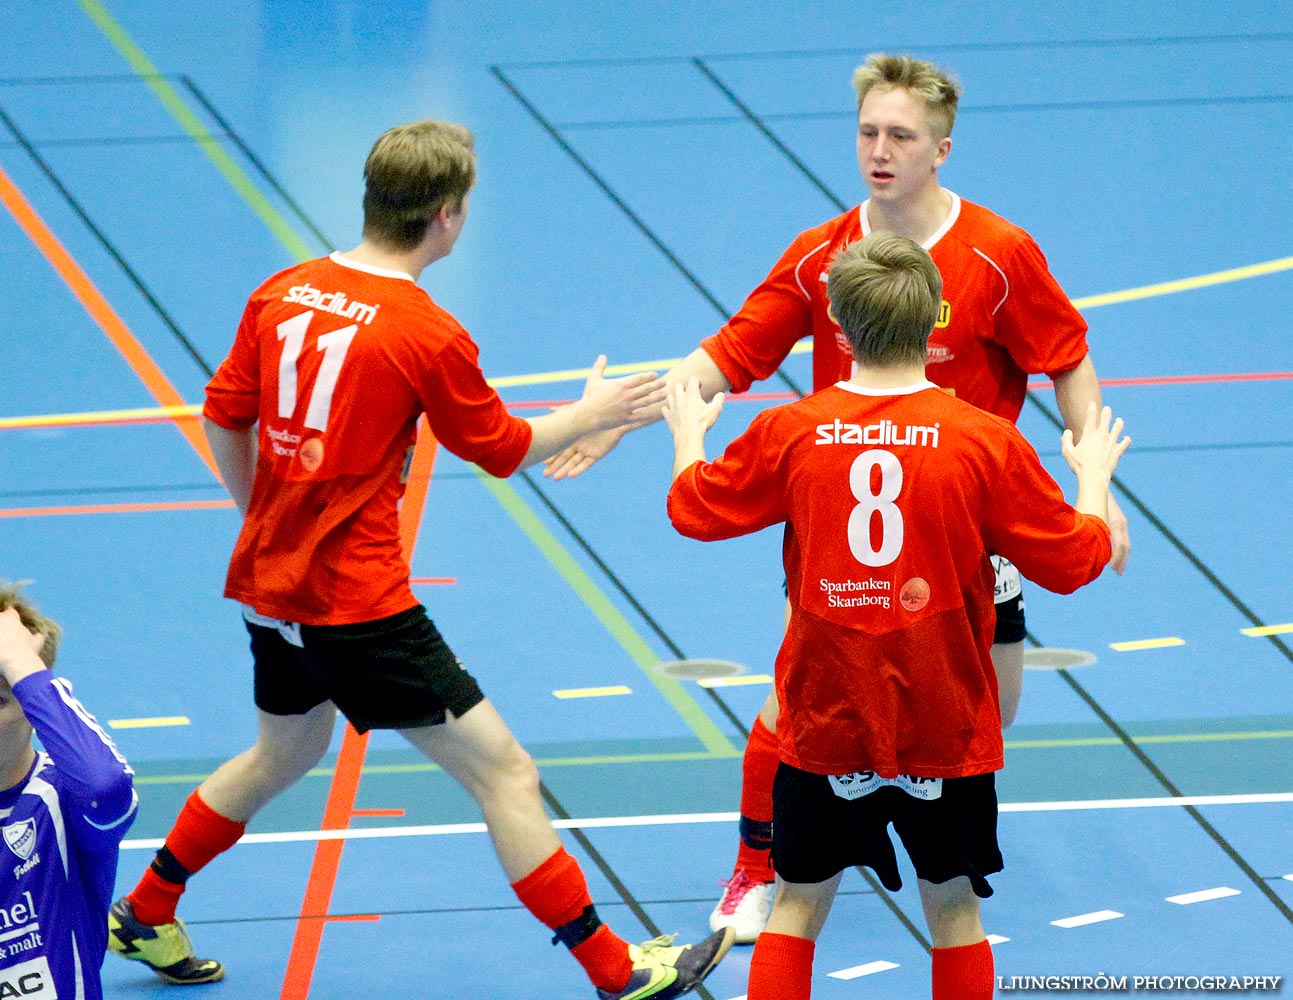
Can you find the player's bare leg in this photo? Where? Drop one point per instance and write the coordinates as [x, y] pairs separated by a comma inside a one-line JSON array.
[[963, 968], [482, 755], [782, 965], [287, 747], [142, 926], [480, 752], [1008, 658]]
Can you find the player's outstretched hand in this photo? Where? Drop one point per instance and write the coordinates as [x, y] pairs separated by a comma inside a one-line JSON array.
[[1098, 451], [628, 402], [685, 408], [583, 454]]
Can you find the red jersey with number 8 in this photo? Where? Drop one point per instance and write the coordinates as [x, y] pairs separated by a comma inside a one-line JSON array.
[[892, 500], [336, 361]]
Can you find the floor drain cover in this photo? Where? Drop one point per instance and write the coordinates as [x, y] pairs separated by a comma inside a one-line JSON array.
[[699, 670], [1057, 659]]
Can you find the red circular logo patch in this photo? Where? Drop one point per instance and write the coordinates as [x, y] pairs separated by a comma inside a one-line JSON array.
[[312, 454], [914, 594]]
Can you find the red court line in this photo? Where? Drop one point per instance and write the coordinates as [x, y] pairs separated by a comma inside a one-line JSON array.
[[421, 581], [117, 508], [100, 311], [340, 806]]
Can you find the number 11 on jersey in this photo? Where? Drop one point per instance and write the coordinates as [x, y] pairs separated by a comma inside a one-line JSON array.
[[334, 346]]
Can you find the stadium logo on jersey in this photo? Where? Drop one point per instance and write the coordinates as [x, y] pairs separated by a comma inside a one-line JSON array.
[[21, 838], [885, 432], [330, 302], [944, 315]]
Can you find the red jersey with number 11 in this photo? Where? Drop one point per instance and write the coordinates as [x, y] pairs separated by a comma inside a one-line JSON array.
[[892, 500], [337, 361]]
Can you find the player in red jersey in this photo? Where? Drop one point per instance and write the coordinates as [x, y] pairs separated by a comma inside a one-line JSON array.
[[1002, 317], [893, 494], [312, 419]]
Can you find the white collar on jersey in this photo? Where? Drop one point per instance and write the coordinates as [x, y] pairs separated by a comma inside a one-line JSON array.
[[939, 233], [381, 272], [902, 390]]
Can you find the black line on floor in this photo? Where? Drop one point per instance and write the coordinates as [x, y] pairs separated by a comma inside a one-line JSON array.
[[965, 109], [256, 161], [1235, 601], [718, 306], [1158, 524], [604, 867], [1019, 46], [1134, 748], [623, 206], [895, 909], [90, 491], [627, 594], [117, 141], [94, 78], [107, 244], [785, 150]]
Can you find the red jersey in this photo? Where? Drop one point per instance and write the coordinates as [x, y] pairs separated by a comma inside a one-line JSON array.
[[892, 500], [1003, 315], [336, 361]]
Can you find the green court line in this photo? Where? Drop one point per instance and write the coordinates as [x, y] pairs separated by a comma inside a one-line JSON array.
[[652, 758], [191, 124], [600, 605], [1109, 741], [709, 734], [327, 772]]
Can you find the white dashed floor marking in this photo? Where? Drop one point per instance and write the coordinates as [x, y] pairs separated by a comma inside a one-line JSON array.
[[1203, 895], [857, 971], [1087, 918]]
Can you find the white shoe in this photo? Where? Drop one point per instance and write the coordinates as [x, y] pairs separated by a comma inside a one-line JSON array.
[[744, 906]]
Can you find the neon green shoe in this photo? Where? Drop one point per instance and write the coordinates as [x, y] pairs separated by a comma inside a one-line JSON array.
[[166, 948], [662, 971]]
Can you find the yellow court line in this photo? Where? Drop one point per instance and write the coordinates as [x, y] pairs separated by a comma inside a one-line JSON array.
[[661, 364], [153, 723], [1265, 630], [725, 682], [1130, 647], [601, 692]]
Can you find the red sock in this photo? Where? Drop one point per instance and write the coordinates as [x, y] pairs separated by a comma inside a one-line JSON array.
[[199, 835], [758, 769], [964, 973], [557, 893], [781, 968]]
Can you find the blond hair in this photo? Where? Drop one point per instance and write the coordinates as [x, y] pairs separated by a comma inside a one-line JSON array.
[[885, 293], [412, 172], [33, 620], [936, 87]]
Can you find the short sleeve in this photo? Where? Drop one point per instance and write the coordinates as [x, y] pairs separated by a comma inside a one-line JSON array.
[[1036, 323]]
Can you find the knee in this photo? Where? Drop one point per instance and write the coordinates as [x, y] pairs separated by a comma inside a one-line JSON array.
[[280, 766]]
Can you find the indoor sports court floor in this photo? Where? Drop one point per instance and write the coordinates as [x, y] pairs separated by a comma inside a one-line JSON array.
[[641, 166]]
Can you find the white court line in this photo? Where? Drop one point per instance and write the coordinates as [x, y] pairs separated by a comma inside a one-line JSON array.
[[1203, 895], [997, 939], [858, 971], [682, 819], [1087, 918]]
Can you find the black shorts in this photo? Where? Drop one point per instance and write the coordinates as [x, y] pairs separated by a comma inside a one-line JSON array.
[[392, 673], [816, 833]]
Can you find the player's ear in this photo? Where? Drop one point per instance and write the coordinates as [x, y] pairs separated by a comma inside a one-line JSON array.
[[944, 147]]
